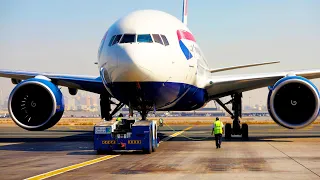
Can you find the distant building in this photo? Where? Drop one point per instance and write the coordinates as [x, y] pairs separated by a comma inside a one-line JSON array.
[[5, 103], [72, 104]]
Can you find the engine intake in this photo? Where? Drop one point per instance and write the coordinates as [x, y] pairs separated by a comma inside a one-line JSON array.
[[293, 102], [36, 104]]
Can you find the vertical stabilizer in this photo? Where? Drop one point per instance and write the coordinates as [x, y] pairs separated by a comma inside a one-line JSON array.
[[185, 12]]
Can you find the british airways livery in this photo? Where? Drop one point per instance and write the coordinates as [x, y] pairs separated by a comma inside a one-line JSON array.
[[150, 61]]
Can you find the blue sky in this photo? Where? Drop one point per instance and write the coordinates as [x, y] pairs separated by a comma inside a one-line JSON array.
[[69, 19], [64, 36]]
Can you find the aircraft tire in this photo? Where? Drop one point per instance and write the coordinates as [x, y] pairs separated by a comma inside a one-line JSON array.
[[104, 152], [228, 131], [245, 131]]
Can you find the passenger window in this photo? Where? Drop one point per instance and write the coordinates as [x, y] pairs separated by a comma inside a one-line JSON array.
[[128, 38], [165, 40], [157, 38], [111, 40], [117, 39], [145, 38]]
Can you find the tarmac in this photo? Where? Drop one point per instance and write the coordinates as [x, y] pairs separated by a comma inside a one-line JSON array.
[[186, 152]]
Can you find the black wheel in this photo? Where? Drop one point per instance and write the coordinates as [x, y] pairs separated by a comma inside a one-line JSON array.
[[244, 131], [99, 152], [228, 131], [154, 148], [103, 152], [154, 141]]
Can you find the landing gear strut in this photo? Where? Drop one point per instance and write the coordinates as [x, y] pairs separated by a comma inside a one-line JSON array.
[[105, 107], [144, 114], [236, 102]]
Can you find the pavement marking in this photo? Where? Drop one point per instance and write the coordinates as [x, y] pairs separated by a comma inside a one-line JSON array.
[[94, 161], [294, 160], [175, 134], [70, 168]]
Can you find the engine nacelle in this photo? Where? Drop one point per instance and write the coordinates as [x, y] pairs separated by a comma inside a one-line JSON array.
[[293, 102], [36, 104]]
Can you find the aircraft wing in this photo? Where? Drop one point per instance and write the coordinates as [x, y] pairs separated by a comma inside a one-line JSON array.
[[219, 86], [87, 83]]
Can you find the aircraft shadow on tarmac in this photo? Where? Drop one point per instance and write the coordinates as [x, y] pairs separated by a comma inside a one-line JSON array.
[[82, 143], [69, 131], [77, 142], [83, 136], [268, 138]]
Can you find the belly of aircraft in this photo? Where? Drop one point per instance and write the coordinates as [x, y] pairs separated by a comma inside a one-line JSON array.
[[158, 95]]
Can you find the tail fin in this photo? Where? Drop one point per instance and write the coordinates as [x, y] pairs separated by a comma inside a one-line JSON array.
[[185, 12]]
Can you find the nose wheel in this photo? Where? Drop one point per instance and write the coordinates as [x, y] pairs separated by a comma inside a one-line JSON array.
[[236, 128]]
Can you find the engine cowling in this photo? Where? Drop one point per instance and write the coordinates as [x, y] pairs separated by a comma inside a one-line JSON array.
[[293, 102], [36, 104]]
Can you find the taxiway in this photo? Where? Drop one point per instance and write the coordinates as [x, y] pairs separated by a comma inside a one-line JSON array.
[[271, 152]]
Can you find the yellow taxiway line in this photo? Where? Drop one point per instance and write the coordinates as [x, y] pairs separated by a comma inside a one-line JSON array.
[[70, 168], [93, 161]]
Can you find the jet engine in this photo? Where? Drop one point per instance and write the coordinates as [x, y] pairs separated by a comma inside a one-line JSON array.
[[293, 102], [36, 104]]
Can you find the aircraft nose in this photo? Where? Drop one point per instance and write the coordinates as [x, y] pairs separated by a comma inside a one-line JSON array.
[[132, 65]]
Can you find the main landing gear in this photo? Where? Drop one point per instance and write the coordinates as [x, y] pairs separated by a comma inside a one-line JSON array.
[[236, 102]]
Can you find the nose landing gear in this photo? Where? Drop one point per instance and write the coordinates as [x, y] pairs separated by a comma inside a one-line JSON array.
[[105, 107]]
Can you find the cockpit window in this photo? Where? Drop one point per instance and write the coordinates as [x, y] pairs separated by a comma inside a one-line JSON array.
[[165, 40], [128, 38], [145, 38], [141, 38], [117, 39], [157, 38], [111, 40]]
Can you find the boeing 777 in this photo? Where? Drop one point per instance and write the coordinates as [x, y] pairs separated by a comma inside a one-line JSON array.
[[149, 60]]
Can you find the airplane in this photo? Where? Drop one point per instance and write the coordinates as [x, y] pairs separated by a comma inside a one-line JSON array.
[[150, 61]]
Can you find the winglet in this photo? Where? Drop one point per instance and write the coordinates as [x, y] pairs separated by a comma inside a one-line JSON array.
[[185, 12], [242, 66]]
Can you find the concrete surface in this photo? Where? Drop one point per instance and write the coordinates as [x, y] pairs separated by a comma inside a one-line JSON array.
[[271, 152]]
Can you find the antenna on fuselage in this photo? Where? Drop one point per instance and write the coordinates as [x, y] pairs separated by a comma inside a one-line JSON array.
[[185, 12]]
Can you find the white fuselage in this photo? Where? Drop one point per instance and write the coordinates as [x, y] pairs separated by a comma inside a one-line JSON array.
[[151, 61]]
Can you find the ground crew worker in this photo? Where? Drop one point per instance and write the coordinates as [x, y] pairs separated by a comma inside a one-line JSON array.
[[119, 118], [161, 121], [217, 129]]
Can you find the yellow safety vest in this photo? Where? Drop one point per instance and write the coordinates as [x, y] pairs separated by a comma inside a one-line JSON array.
[[118, 119], [218, 127]]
